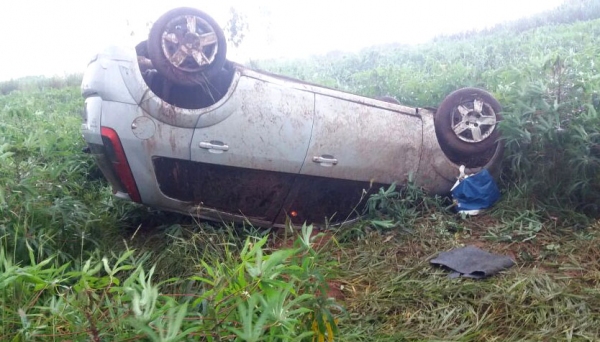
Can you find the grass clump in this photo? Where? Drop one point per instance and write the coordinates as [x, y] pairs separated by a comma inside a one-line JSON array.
[[252, 295]]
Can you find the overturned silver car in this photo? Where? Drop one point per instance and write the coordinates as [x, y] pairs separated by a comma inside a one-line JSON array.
[[175, 125]]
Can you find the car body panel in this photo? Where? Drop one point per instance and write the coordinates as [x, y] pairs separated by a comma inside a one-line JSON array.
[[250, 159], [103, 75], [173, 115], [324, 200], [256, 195], [367, 143], [270, 130], [165, 141], [354, 148]]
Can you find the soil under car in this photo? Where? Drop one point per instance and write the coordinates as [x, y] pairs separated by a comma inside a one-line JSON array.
[[175, 125]]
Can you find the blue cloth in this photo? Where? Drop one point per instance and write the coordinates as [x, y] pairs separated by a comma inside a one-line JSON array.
[[478, 191]]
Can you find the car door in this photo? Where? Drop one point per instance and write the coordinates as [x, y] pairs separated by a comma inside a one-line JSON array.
[[357, 146], [246, 153]]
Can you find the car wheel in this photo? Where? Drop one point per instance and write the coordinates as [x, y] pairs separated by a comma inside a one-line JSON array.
[[466, 122], [187, 46]]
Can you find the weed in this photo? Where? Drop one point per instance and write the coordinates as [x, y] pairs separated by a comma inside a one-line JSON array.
[[399, 207]]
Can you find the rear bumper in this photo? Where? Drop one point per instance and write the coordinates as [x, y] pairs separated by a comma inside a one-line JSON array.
[[105, 147]]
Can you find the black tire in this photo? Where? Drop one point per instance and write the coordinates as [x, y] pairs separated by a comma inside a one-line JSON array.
[[189, 71], [465, 127]]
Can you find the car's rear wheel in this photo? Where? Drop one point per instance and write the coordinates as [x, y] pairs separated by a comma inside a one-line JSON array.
[[187, 46], [466, 122]]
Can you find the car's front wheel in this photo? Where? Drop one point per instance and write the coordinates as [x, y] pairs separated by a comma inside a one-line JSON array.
[[466, 122], [187, 46]]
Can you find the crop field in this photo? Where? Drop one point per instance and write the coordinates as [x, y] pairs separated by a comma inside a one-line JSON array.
[[77, 264]]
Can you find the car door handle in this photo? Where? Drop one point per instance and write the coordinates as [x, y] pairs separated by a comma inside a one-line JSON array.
[[214, 146], [325, 160]]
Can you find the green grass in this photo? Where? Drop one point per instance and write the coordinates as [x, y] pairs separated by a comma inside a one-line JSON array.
[[393, 293], [78, 264]]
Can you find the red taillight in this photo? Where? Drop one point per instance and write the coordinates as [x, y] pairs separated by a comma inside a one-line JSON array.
[[119, 162]]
